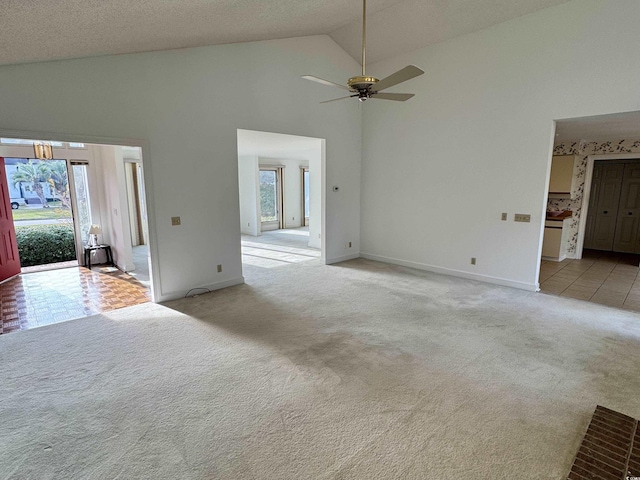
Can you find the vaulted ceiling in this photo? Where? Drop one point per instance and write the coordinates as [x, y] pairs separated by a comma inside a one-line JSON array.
[[37, 30]]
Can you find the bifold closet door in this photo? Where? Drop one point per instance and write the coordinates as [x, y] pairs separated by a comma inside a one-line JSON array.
[[627, 226], [603, 205]]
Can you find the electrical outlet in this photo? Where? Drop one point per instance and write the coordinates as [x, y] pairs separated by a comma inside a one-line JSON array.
[[219, 268], [293, 218], [504, 216], [175, 221], [349, 244], [522, 217], [473, 260]]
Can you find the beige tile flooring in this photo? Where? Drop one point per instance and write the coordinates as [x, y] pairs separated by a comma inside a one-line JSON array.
[[607, 278]]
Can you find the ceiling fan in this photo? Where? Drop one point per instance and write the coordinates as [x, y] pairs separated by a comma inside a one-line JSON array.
[[364, 86]]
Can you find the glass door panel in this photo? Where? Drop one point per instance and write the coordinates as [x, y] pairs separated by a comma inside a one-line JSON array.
[[82, 203], [269, 199]]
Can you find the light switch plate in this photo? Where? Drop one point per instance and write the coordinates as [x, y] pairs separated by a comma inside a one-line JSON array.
[[175, 221], [522, 217]]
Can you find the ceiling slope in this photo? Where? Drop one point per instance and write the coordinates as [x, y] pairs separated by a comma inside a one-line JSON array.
[[40, 30]]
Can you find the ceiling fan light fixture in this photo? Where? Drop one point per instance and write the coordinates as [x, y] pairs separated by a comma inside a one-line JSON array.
[[42, 150], [364, 86], [360, 82]]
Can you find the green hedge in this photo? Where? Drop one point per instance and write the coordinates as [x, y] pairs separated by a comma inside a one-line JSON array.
[[42, 244]]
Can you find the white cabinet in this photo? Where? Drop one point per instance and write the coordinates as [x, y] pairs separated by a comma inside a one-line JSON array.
[[561, 182], [555, 240]]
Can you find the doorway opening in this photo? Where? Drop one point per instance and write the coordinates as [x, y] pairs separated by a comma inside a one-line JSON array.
[[87, 204], [591, 242], [42, 204], [280, 180]]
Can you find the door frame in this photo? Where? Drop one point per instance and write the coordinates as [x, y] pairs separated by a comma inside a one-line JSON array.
[[305, 219], [74, 207], [588, 178]]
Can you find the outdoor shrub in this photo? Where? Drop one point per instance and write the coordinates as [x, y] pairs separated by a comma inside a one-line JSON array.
[[41, 244]]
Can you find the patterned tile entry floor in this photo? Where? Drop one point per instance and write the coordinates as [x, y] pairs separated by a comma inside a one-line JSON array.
[[42, 298]]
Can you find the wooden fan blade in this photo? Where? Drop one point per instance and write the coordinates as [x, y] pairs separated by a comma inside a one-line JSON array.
[[398, 97], [324, 82], [341, 98], [407, 73]]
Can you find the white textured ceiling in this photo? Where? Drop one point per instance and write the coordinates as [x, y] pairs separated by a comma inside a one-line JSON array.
[[412, 24], [618, 126], [36, 30]]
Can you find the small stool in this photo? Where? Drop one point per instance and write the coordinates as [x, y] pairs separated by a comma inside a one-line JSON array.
[[92, 248]]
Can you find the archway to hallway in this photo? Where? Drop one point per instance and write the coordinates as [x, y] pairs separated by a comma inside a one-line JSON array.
[[281, 199]]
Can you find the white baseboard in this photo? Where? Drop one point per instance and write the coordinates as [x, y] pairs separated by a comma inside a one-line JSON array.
[[165, 297], [555, 259], [531, 287], [344, 258]]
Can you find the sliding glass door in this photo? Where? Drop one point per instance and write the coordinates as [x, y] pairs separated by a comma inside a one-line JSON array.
[[271, 198]]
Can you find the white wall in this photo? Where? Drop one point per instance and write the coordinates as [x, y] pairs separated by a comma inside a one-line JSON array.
[[116, 230], [249, 186], [316, 184], [438, 170], [184, 108]]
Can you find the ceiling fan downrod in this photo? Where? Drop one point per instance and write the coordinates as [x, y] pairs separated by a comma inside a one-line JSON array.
[[363, 83], [364, 87], [364, 36]]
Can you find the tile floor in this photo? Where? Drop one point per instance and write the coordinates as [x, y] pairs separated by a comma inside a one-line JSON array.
[[41, 298], [607, 278]]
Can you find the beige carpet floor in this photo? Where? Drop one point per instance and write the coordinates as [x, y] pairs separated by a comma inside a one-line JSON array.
[[355, 371]]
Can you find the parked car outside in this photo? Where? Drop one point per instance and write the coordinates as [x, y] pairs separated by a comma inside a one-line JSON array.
[[16, 202]]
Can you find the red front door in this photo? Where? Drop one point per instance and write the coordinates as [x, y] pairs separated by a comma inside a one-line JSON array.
[[9, 258]]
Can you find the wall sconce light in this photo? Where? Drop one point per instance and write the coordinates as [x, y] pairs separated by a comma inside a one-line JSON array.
[[42, 150], [95, 230]]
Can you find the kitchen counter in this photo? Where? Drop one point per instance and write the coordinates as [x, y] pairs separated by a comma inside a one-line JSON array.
[[559, 218], [556, 233]]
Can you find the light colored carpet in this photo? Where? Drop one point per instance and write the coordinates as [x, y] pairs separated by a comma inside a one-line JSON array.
[[360, 370]]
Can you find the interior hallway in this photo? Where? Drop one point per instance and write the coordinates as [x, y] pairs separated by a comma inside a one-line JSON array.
[[608, 278]]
